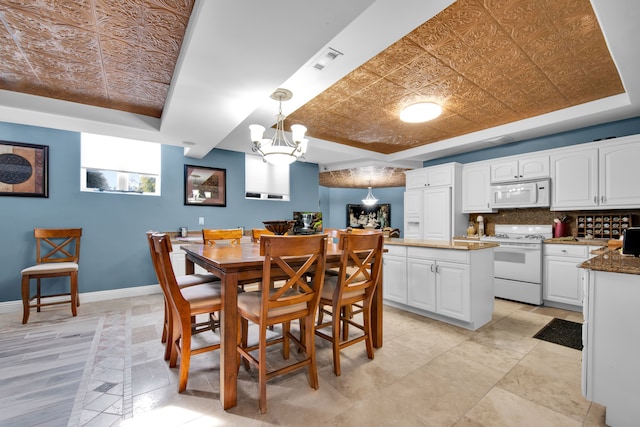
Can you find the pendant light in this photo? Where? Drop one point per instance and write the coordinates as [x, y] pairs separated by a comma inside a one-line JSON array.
[[370, 199]]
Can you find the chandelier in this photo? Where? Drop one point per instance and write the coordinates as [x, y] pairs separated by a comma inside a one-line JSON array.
[[370, 199], [279, 150]]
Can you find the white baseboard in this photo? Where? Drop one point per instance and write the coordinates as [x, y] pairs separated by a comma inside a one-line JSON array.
[[16, 306]]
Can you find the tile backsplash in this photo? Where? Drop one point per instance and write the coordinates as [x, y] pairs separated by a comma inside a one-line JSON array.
[[544, 216]]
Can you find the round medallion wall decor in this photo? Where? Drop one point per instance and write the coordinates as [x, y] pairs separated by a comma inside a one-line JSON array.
[[14, 169]]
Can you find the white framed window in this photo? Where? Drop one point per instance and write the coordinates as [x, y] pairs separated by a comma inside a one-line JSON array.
[[264, 181], [119, 165]]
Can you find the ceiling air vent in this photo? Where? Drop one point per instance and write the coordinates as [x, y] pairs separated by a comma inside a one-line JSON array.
[[325, 58]]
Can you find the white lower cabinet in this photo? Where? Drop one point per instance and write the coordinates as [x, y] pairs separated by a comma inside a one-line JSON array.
[[611, 340], [562, 279], [394, 274], [439, 286], [455, 286], [179, 262]]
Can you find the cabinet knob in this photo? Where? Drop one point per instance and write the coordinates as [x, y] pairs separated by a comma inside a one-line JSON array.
[[602, 199], [595, 199], [515, 176]]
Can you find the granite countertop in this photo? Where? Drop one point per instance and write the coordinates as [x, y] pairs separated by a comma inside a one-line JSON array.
[[614, 262], [441, 244], [575, 241]]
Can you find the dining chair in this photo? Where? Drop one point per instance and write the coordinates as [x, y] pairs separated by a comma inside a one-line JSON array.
[[359, 275], [205, 279], [57, 255], [296, 297], [256, 233], [211, 236], [185, 303]]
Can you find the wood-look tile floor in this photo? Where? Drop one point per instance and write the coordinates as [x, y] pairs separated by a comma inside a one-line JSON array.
[[105, 368]]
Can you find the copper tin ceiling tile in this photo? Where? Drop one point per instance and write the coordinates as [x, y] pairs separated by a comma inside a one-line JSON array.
[[486, 63]]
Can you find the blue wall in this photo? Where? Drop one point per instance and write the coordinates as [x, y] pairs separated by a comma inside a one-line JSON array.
[[114, 250], [339, 198], [579, 136]]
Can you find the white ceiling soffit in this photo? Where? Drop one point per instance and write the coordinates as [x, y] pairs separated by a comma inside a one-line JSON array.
[[236, 53]]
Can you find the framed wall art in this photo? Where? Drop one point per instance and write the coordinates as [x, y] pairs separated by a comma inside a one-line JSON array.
[[205, 186], [369, 216], [24, 169]]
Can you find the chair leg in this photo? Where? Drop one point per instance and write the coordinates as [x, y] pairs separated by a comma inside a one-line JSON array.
[[286, 327], [185, 356], [366, 316], [244, 338], [335, 342], [25, 299], [38, 295], [262, 369], [74, 293], [165, 325], [310, 351]]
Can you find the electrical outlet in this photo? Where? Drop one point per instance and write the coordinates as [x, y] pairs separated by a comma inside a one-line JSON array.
[[201, 220]]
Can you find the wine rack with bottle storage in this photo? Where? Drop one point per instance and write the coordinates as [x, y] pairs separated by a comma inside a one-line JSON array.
[[602, 225]]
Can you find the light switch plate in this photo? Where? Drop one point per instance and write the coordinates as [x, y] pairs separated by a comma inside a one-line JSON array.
[[201, 220]]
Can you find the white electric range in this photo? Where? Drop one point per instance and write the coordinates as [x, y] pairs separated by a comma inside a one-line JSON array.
[[518, 261]]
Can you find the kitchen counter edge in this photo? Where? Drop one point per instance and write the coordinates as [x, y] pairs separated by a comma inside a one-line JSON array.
[[613, 261], [441, 244]]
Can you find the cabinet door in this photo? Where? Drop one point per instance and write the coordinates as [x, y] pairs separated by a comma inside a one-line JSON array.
[[439, 176], [504, 171], [453, 290], [618, 186], [574, 177], [476, 188], [394, 278], [413, 203], [533, 167], [437, 214], [416, 178], [562, 280], [421, 283]]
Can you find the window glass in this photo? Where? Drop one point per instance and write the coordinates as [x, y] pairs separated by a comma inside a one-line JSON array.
[[119, 165]]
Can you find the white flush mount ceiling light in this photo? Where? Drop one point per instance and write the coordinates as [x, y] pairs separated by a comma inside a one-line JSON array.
[[370, 199], [279, 150], [421, 112]]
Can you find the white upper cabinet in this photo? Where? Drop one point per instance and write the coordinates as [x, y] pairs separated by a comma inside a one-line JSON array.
[[476, 188], [618, 183], [574, 179], [598, 176], [523, 168], [433, 176]]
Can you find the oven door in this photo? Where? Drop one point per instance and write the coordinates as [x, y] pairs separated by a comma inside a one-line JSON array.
[[521, 262]]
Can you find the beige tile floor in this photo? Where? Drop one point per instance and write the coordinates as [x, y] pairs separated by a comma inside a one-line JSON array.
[[427, 374]]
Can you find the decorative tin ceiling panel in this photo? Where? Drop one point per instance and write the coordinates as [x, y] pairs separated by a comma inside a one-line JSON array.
[[370, 176], [116, 54], [486, 62]]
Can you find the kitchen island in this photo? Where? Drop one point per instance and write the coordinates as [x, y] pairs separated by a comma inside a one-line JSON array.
[[450, 281], [611, 337]]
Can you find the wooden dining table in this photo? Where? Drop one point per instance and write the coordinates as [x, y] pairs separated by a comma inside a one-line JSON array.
[[241, 263]]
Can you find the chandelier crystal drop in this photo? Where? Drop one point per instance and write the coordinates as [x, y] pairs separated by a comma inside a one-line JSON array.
[[279, 150]]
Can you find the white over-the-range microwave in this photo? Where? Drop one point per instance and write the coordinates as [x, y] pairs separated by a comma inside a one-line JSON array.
[[526, 194]]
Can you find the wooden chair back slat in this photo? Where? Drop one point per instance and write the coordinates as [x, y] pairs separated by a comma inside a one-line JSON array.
[[296, 256], [211, 235], [57, 245]]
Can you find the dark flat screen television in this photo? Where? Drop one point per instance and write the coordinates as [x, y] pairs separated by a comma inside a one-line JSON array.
[[631, 242]]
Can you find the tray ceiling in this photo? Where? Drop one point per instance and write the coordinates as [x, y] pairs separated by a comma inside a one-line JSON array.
[[487, 63]]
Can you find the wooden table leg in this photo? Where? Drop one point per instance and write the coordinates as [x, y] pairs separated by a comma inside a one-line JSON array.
[[229, 341]]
